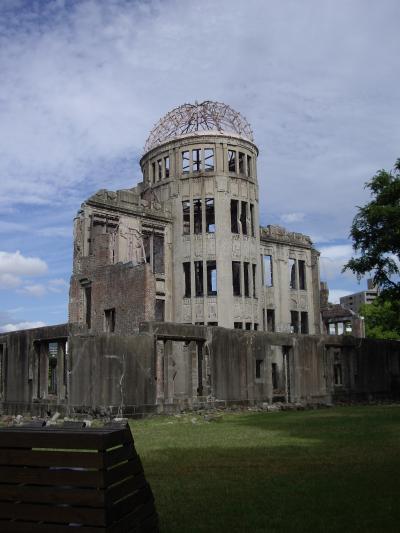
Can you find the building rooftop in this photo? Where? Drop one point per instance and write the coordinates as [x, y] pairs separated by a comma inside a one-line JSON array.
[[198, 118]]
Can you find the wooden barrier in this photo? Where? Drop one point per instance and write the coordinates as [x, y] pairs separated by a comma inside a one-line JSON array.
[[58, 479]]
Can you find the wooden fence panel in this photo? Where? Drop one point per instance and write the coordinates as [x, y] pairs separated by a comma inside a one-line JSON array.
[[55, 478]]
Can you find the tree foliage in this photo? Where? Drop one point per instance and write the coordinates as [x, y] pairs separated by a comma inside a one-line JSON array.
[[382, 319], [375, 232]]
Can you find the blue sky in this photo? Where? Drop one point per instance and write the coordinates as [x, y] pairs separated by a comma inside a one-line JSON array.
[[83, 82]]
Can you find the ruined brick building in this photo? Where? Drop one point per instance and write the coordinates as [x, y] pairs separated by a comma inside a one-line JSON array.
[[185, 244], [179, 299]]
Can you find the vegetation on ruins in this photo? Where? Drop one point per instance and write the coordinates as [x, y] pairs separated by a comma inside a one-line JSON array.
[[325, 470]]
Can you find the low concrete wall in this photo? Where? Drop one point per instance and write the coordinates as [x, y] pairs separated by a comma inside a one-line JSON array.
[[111, 374], [168, 367], [23, 355]]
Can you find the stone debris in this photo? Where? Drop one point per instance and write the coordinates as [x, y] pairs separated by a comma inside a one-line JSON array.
[[212, 418]]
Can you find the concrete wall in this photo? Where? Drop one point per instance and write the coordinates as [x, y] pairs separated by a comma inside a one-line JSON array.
[[110, 373], [24, 369], [168, 367]]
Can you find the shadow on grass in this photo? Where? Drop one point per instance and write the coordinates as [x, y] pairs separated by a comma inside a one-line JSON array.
[[252, 489], [312, 471]]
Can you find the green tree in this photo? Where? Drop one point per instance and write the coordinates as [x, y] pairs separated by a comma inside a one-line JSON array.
[[382, 319], [375, 232]]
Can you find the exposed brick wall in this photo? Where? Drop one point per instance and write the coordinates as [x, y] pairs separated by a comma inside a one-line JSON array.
[[130, 290]]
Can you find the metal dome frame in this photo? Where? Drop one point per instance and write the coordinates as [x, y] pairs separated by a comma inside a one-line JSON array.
[[198, 117]]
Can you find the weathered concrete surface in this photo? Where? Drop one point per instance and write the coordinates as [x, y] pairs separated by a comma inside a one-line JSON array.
[[23, 367], [111, 373], [168, 367]]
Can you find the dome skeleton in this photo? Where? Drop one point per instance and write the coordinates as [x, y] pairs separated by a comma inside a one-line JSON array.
[[194, 118]]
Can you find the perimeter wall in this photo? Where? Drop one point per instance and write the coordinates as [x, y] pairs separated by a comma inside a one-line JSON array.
[[167, 367]]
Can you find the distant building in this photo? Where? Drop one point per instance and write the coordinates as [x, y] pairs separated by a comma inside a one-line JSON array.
[[338, 319], [356, 300]]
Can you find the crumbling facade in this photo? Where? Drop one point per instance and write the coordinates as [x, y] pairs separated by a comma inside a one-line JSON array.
[[195, 220]]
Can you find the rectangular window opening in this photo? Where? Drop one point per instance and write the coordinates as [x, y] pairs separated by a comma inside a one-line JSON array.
[[253, 266], [231, 160], [198, 274], [159, 167], [249, 166], [210, 215], [294, 321], [246, 279], [302, 275], [271, 320], [109, 320], [166, 166], [158, 254], [52, 368], [252, 220], [208, 159], [188, 280], [160, 310], [237, 325], [337, 369], [304, 322], [255, 326], [234, 216], [196, 159], [185, 162], [186, 217], [241, 163], [236, 278], [197, 218], [211, 278], [248, 326], [147, 247], [88, 302], [268, 273], [274, 375], [259, 368], [243, 217], [292, 273], [153, 172]]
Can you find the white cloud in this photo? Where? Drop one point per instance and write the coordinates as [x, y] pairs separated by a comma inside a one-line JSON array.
[[336, 251], [14, 267], [289, 218], [332, 260], [35, 289], [6, 328], [81, 84], [9, 281], [19, 265]]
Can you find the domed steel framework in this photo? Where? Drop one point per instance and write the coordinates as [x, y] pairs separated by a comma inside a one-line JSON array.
[[194, 118]]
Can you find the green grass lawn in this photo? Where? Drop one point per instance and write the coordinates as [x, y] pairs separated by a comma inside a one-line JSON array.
[[324, 470]]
